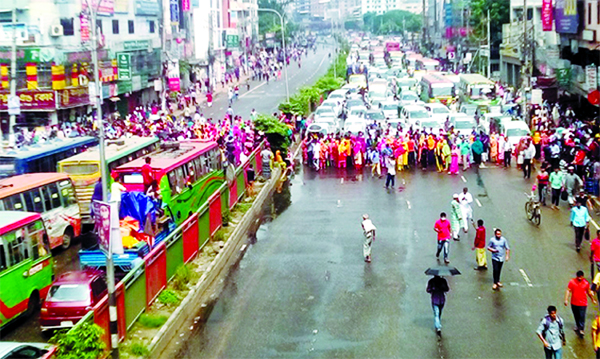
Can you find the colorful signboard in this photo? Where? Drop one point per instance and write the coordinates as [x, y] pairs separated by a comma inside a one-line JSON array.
[[547, 15], [31, 100], [566, 17], [146, 7], [73, 97], [174, 7], [102, 217], [124, 66], [104, 7], [84, 22]]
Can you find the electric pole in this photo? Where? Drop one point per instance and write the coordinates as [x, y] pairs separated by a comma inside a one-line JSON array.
[[13, 74], [525, 65], [489, 43]]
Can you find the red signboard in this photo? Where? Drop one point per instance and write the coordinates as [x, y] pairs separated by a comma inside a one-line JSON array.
[[73, 97], [547, 15], [31, 100]]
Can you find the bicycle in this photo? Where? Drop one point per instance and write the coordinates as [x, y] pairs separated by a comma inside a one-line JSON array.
[[532, 209]]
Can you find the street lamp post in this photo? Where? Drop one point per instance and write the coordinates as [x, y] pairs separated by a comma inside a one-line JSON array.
[[110, 268], [287, 89]]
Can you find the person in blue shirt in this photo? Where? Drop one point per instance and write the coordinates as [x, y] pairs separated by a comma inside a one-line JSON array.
[[580, 220], [551, 333], [498, 245]]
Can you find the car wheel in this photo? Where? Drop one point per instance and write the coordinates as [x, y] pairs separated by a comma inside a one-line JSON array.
[[33, 304]]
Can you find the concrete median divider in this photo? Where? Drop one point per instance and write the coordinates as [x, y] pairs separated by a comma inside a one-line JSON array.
[[230, 253]]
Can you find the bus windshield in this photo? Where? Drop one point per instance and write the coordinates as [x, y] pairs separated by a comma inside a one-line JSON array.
[[441, 91]]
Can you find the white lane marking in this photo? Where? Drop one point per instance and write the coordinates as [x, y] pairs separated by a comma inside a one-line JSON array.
[[339, 204], [478, 203], [261, 85], [243, 247], [525, 277], [573, 352], [341, 180], [463, 179], [408, 204], [594, 223]]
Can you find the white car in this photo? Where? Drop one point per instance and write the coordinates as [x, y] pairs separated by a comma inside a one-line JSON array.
[[409, 98], [357, 113], [322, 128], [335, 105], [413, 113], [332, 124], [375, 115], [389, 108], [437, 111], [464, 125], [324, 111], [514, 131], [429, 125], [355, 126], [339, 95]]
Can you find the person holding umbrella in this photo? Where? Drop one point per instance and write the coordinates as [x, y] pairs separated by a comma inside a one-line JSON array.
[[437, 287]]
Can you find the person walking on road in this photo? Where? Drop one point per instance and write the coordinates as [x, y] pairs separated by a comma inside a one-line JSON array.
[[551, 333], [579, 290], [479, 245], [455, 217], [580, 220], [556, 182], [390, 180], [369, 232], [444, 231], [571, 184], [437, 287], [596, 335], [498, 245], [595, 251], [528, 155], [465, 199]]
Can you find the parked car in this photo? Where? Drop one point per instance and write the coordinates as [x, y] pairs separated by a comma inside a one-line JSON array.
[[355, 126], [375, 115], [335, 104], [514, 131], [468, 109], [429, 125], [16, 350], [324, 112], [464, 125], [437, 111], [409, 98], [322, 128], [339, 95], [70, 297], [333, 124], [357, 113], [413, 113], [389, 108]]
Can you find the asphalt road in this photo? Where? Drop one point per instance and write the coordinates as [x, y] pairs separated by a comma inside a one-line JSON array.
[[262, 96], [303, 289]]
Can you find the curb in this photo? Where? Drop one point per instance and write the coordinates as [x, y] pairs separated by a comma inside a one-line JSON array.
[[230, 252]]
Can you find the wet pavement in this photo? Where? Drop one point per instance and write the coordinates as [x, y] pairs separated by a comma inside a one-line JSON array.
[[303, 289]]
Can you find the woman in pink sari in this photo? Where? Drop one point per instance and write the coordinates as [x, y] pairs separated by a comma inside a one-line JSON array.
[[454, 161]]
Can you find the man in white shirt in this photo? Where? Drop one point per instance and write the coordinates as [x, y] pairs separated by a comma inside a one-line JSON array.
[[465, 199], [528, 155], [369, 232]]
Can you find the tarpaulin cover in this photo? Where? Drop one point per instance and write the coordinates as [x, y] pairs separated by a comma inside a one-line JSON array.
[[137, 205]]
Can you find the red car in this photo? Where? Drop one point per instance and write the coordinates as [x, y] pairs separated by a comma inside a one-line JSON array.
[[71, 296]]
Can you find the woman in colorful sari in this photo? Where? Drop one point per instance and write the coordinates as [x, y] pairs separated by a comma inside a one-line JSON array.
[[446, 152], [454, 161]]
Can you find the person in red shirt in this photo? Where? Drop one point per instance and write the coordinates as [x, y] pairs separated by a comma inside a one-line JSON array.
[[479, 245], [579, 289], [444, 232], [542, 179], [147, 175], [595, 250]]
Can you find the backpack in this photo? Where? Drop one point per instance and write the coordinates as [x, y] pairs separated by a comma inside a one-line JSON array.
[[546, 320]]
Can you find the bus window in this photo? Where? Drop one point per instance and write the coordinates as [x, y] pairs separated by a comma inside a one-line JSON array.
[[17, 248], [33, 201], [67, 192], [3, 264], [36, 233], [191, 177], [199, 170], [13, 203], [51, 196]]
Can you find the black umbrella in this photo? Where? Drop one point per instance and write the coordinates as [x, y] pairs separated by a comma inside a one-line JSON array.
[[442, 271]]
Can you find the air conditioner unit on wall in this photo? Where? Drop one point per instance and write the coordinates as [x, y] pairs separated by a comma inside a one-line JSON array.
[[56, 30]]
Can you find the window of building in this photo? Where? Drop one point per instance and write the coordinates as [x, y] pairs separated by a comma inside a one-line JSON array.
[[131, 26], [99, 25], [115, 25], [151, 25], [598, 12], [589, 13], [68, 28]]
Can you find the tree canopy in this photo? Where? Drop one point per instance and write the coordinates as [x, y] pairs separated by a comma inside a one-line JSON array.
[[499, 13], [392, 22]]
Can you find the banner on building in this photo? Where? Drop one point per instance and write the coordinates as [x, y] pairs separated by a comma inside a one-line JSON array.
[[547, 15], [566, 17], [84, 23], [31, 100], [73, 97], [105, 7], [173, 75], [31, 75], [146, 7], [563, 78], [4, 84], [58, 77], [185, 5], [590, 77], [121, 6], [174, 7]]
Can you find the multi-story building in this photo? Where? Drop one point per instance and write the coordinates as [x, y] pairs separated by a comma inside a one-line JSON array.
[[381, 6]]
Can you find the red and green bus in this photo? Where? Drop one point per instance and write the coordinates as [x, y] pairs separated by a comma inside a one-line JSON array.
[[437, 88], [187, 172], [26, 267]]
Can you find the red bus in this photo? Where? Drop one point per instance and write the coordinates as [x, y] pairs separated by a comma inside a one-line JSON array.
[[187, 172]]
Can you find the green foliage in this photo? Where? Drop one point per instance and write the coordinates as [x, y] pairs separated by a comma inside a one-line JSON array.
[[277, 133], [226, 217], [169, 297], [392, 22], [183, 275], [81, 342], [152, 321], [243, 207], [139, 349], [499, 13], [219, 235]]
